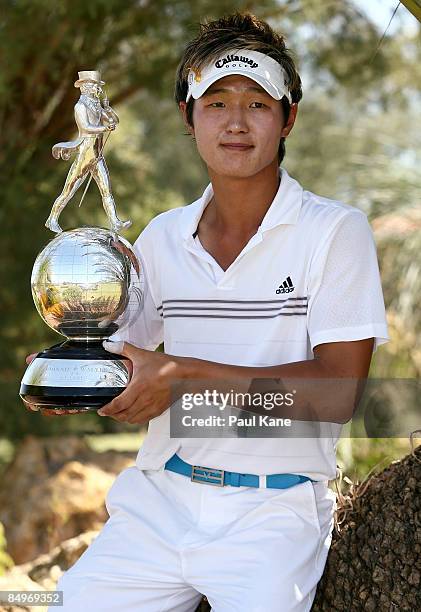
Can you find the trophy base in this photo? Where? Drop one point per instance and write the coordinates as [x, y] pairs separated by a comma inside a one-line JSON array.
[[74, 375], [81, 398]]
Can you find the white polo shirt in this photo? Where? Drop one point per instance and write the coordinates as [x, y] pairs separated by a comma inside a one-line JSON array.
[[308, 276]]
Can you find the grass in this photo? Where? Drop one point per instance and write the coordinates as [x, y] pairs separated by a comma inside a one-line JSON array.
[[118, 442], [357, 457]]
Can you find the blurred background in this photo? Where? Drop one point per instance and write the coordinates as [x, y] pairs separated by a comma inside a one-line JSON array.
[[357, 139]]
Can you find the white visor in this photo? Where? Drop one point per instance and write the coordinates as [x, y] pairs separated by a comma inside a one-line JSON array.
[[266, 71]]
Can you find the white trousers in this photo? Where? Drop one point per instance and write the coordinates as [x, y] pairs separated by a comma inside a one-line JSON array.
[[168, 540]]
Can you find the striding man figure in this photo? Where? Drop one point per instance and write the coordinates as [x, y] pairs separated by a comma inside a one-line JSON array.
[[93, 120]]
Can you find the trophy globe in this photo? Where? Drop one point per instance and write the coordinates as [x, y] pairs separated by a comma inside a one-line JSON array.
[[87, 283]]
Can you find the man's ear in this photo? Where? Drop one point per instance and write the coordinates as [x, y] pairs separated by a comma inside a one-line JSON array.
[[183, 109], [291, 120]]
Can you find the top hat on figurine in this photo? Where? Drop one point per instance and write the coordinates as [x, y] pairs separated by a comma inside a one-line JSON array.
[[93, 76]]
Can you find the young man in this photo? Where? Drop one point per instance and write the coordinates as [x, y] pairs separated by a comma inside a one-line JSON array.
[[257, 279]]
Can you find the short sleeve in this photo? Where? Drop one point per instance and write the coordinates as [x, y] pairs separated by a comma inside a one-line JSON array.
[[345, 293], [147, 329]]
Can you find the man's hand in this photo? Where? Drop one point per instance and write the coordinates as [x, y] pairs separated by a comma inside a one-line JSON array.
[[148, 393]]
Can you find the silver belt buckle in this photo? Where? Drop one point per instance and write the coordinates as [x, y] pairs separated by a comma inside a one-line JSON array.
[[207, 475]]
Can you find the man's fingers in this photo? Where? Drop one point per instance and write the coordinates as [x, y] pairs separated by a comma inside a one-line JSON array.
[[30, 357], [120, 403], [120, 347], [133, 415], [31, 407], [44, 411], [129, 366], [137, 413], [140, 415], [53, 412]]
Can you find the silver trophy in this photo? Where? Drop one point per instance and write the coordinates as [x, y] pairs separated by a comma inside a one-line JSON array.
[[86, 283]]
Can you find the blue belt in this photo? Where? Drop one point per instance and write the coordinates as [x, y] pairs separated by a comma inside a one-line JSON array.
[[221, 478]]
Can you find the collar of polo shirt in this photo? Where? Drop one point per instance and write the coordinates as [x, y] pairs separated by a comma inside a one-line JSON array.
[[284, 209]]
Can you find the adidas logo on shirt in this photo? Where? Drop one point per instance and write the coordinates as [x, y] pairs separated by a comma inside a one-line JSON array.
[[286, 286]]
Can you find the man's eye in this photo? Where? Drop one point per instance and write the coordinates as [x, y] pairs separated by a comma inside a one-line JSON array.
[[258, 105], [217, 104]]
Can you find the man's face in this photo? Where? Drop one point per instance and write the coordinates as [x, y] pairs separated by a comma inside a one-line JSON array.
[[238, 126]]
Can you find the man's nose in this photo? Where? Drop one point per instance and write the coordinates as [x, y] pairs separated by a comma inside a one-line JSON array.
[[237, 122]]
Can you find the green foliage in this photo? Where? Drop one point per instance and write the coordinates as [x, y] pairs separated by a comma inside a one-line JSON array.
[[354, 140]]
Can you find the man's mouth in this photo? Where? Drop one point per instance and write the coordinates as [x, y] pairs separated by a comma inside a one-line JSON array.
[[236, 146]]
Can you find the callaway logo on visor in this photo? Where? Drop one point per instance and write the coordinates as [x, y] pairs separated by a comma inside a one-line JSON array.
[[235, 58], [261, 68]]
